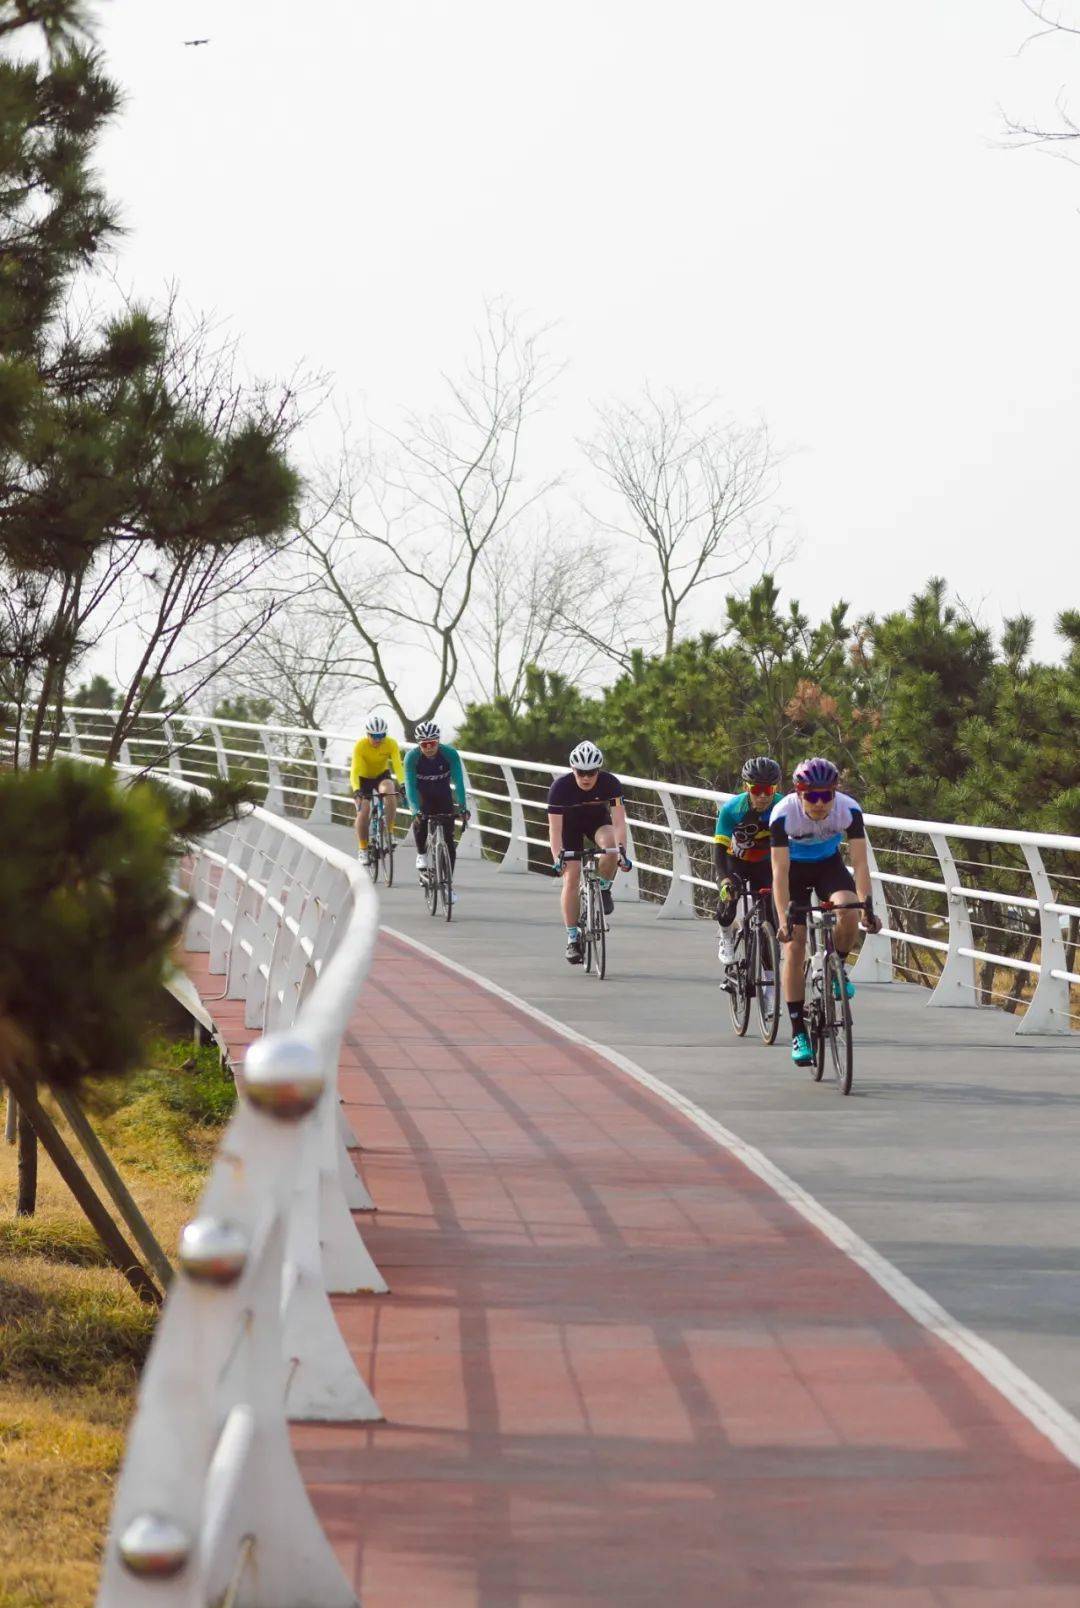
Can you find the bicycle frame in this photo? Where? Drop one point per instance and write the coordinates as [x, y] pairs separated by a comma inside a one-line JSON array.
[[828, 1009]]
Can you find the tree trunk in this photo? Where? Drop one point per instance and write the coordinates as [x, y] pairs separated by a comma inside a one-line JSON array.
[[26, 1204], [120, 1253]]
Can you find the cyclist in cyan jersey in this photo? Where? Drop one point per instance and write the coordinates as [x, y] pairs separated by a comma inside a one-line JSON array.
[[807, 828], [741, 846], [434, 780], [376, 763], [586, 803]]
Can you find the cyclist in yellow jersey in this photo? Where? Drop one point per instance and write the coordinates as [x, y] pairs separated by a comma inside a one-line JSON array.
[[376, 764]]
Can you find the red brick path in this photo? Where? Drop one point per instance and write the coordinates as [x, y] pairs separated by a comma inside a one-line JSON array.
[[618, 1369]]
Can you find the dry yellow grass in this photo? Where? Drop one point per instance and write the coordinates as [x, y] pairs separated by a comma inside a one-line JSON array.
[[72, 1334]]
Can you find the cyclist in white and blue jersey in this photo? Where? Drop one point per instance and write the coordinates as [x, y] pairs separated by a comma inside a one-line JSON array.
[[807, 828]]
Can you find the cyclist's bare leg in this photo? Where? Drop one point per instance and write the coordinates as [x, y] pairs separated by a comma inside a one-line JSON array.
[[608, 864], [389, 798], [794, 963], [847, 922], [571, 883], [363, 821]]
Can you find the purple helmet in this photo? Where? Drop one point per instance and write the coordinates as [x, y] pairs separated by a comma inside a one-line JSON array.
[[816, 772]]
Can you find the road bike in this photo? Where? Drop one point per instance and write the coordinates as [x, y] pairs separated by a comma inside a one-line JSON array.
[[438, 877], [380, 852], [755, 971], [591, 920], [828, 1008]]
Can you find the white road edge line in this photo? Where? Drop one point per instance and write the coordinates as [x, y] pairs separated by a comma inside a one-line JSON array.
[[1041, 1410]]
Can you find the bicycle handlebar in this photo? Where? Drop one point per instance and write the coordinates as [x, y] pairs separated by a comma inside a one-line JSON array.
[[828, 904]]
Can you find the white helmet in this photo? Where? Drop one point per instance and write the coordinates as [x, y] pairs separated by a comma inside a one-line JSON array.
[[376, 726], [586, 757], [428, 732]]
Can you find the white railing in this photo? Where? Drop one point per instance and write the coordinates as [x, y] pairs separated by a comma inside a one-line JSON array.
[[210, 1506], [981, 914]]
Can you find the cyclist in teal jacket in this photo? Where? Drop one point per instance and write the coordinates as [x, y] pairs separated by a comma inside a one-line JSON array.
[[434, 780]]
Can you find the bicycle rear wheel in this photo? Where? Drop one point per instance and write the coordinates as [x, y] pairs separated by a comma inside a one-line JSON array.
[[445, 876], [767, 958], [838, 1023], [739, 986]]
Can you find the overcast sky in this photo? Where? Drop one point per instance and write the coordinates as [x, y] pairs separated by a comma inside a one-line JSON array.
[[804, 207]]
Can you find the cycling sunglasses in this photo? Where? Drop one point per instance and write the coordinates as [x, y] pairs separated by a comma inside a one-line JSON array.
[[429, 742], [586, 775], [761, 787], [819, 795]]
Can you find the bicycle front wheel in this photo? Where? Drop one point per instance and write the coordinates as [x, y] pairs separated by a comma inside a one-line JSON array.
[[599, 943], [767, 993], [838, 1023], [814, 1025], [373, 858], [387, 855], [446, 878], [431, 886], [739, 988]]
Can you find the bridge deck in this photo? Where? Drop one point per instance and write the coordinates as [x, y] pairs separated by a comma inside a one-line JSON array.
[[617, 1367], [955, 1155]]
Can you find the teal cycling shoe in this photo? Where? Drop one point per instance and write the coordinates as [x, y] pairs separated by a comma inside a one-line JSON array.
[[849, 988], [801, 1050]]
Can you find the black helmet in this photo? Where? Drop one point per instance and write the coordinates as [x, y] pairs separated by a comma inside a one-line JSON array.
[[761, 769]]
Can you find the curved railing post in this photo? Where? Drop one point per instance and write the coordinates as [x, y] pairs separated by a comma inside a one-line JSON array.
[[626, 886], [874, 962], [469, 846], [1048, 1010], [275, 796], [219, 748], [171, 750], [956, 985], [322, 810], [516, 857], [679, 903]]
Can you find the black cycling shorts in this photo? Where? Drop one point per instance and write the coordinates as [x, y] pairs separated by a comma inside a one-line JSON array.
[[823, 877], [581, 823], [369, 784]]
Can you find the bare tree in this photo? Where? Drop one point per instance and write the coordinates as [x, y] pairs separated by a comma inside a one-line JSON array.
[[694, 491], [1053, 17], [293, 665], [548, 599], [397, 540]]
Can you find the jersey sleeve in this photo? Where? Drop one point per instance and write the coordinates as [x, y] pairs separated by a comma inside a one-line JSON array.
[[722, 833], [554, 804], [354, 768], [395, 760], [615, 790], [457, 777], [412, 791], [856, 826], [778, 830]]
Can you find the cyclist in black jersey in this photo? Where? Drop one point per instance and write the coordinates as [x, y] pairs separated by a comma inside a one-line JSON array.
[[586, 803]]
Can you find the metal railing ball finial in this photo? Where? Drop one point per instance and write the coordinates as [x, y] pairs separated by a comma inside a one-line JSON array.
[[283, 1076], [153, 1547], [213, 1250]]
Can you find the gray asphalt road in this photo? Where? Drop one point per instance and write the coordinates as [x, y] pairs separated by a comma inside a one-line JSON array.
[[957, 1154]]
